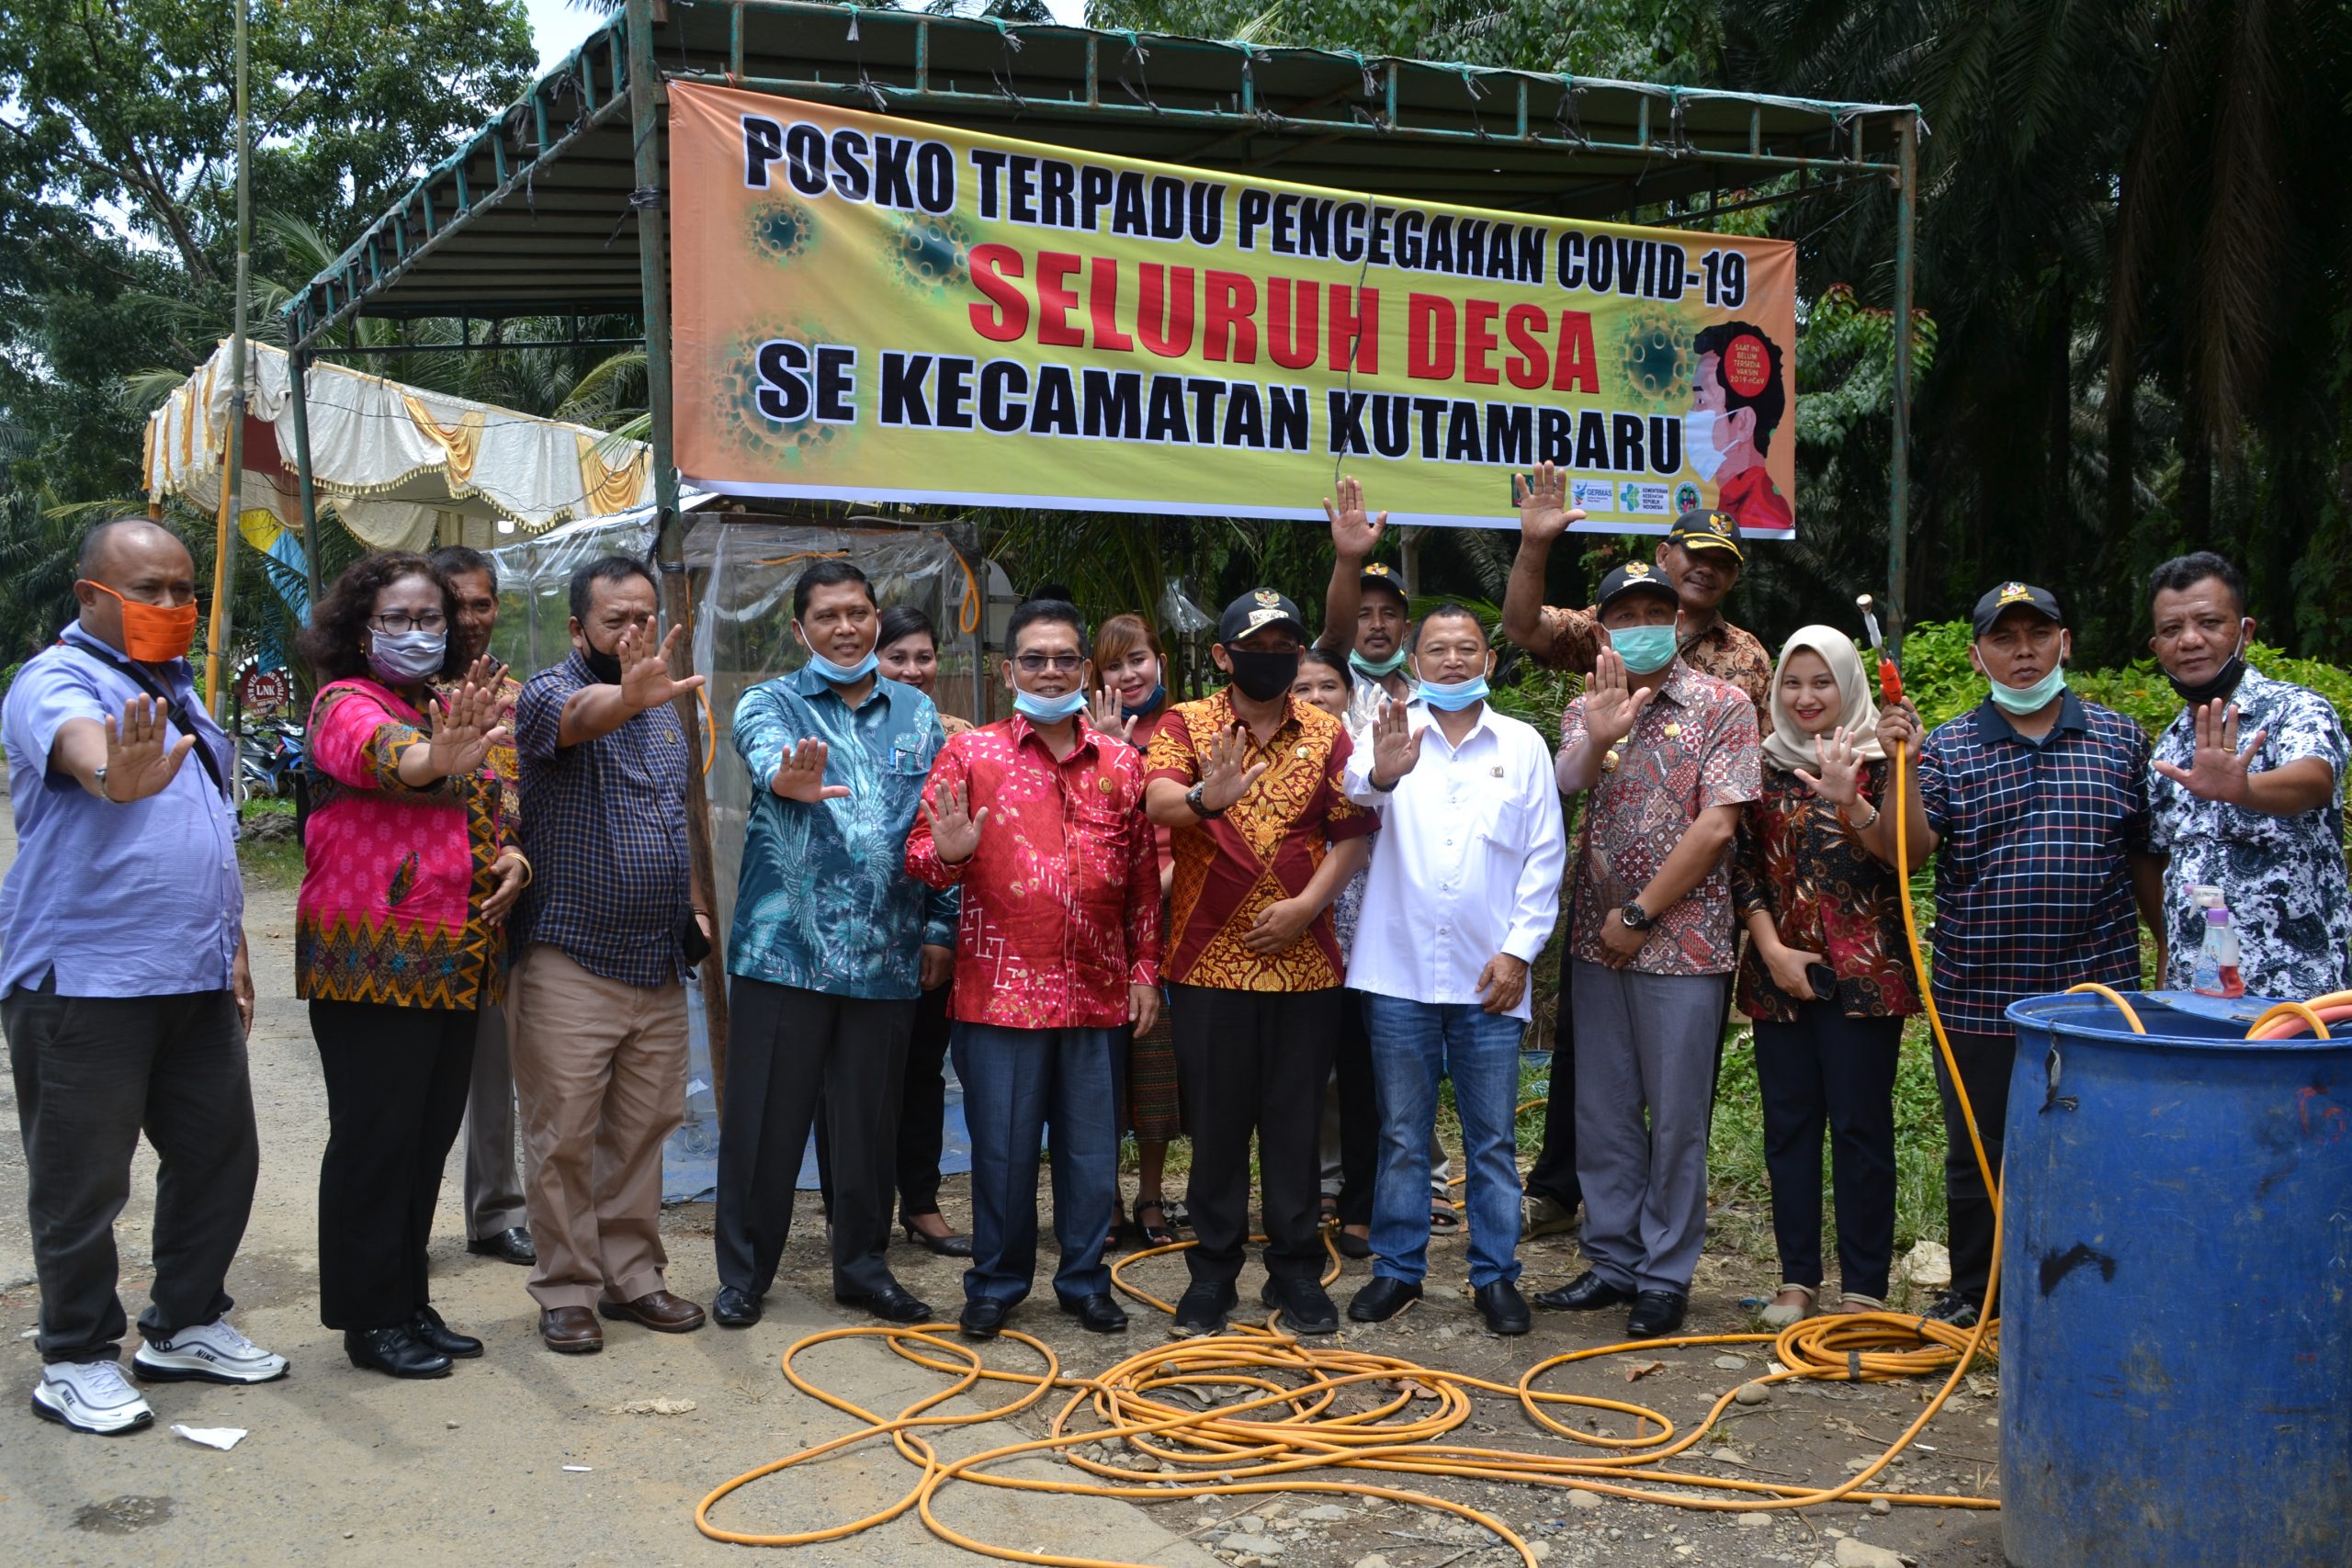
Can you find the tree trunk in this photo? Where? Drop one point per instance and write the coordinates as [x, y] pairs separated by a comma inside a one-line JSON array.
[[2194, 502], [2062, 537]]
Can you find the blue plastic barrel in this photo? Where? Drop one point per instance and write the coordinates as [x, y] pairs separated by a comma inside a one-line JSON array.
[[2176, 1294]]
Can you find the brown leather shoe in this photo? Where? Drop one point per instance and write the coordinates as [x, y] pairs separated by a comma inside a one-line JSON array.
[[657, 1310], [571, 1331]]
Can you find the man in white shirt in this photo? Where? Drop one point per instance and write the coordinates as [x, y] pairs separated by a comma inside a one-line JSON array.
[[1464, 889]]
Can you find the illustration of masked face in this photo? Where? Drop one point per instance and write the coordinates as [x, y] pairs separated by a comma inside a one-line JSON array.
[[1699, 443]]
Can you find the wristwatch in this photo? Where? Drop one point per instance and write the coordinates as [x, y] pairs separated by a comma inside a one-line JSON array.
[[98, 774], [1636, 918], [1192, 799]]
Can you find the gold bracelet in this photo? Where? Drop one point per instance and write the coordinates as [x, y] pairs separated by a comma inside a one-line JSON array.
[[519, 859]]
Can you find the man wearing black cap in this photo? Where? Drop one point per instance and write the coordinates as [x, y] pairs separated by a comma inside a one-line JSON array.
[[1700, 559], [2039, 803], [1672, 757], [1251, 782]]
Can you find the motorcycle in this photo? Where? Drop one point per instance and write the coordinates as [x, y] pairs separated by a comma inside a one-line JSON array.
[[269, 757]]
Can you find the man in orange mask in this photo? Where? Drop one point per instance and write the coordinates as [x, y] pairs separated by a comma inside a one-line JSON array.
[[124, 989]]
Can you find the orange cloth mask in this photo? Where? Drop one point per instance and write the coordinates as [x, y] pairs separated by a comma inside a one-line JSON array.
[[153, 634]]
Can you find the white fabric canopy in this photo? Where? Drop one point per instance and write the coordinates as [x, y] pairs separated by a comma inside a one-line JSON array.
[[396, 463]]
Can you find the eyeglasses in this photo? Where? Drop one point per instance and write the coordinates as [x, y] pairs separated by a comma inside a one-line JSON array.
[[1038, 663], [397, 621]]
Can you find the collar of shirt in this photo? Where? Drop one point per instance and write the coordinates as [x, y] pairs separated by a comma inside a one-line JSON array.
[[1418, 715], [1676, 688], [1023, 732], [810, 683], [1992, 724], [177, 677], [1227, 715]]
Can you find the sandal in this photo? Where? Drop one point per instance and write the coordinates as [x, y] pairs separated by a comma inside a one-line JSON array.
[[1443, 1216], [1157, 1234], [1179, 1217], [1352, 1245], [1330, 1210], [1778, 1314], [1854, 1301]]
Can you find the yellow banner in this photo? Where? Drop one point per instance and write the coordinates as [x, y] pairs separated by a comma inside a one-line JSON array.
[[878, 309]]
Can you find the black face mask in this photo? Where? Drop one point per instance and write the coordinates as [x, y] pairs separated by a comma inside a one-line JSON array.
[[605, 667], [1262, 677], [2225, 679]]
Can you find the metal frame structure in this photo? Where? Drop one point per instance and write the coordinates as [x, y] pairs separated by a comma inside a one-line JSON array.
[[533, 215]]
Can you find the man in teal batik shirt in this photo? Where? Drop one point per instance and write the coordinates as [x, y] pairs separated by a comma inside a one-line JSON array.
[[832, 942]]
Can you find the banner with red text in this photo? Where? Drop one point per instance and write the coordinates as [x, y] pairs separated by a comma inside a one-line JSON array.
[[870, 308]]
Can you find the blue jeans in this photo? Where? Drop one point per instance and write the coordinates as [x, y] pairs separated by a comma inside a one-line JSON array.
[[1014, 1081], [1412, 1044]]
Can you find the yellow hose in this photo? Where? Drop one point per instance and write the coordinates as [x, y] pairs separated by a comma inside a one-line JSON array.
[[1297, 1407]]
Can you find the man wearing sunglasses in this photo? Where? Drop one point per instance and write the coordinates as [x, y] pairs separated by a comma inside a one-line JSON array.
[[1039, 820]]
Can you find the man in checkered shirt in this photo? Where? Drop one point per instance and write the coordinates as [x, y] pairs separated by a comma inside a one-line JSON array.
[[2038, 802]]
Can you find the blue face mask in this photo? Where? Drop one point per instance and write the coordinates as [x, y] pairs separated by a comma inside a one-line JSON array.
[[1379, 670], [1456, 696], [1159, 696], [844, 674], [1048, 710], [2022, 700], [1644, 650]]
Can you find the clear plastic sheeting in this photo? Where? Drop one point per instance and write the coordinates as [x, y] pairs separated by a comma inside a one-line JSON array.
[[742, 576], [534, 578]]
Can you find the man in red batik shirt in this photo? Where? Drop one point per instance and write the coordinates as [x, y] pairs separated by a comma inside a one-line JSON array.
[[1040, 820]]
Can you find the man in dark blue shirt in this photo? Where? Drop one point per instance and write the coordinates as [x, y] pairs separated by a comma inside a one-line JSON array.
[[602, 941]]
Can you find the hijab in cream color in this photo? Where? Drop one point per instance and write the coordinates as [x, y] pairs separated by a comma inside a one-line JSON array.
[[1789, 746]]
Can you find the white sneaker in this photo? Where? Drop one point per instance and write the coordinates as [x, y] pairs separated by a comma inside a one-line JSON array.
[[214, 1352], [89, 1396]]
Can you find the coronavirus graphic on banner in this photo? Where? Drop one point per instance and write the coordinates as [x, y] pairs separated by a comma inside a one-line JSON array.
[[882, 310]]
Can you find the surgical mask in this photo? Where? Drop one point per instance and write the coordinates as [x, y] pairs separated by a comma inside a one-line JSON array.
[[154, 634], [844, 674], [2225, 679], [1379, 670], [407, 658], [1454, 697], [1699, 443], [2024, 700], [1262, 677], [1644, 650], [1136, 710], [1048, 710]]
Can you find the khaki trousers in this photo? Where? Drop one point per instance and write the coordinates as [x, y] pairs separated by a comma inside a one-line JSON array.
[[600, 1080]]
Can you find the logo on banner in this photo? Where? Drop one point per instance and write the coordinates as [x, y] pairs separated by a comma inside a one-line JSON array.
[[1593, 495], [1643, 500]]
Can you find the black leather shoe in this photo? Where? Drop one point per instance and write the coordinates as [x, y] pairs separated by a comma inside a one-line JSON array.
[[1202, 1309], [736, 1309], [395, 1351], [1303, 1305], [948, 1246], [1655, 1313], [512, 1245], [1097, 1314], [1383, 1299], [1587, 1292], [983, 1319], [1504, 1308], [426, 1328], [893, 1303]]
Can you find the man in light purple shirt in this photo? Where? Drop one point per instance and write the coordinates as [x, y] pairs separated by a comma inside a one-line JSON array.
[[124, 990]]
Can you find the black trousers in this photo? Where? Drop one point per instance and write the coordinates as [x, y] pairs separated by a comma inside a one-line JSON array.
[[1554, 1174], [91, 1074], [1254, 1062], [1827, 1070], [922, 1114], [1985, 1063], [788, 1050], [396, 1079], [1359, 1112]]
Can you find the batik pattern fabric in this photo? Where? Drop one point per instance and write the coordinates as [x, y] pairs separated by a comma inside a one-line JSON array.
[[825, 903], [2281, 877], [1571, 639], [1693, 746], [1800, 864], [1265, 848], [394, 877], [1061, 899]]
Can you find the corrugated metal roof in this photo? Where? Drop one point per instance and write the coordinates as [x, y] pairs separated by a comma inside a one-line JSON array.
[[531, 216]]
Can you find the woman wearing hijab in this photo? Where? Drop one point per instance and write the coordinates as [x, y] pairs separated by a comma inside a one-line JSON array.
[[1825, 977]]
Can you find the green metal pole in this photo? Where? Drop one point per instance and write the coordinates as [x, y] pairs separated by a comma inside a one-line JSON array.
[[1907, 134], [297, 373], [646, 98]]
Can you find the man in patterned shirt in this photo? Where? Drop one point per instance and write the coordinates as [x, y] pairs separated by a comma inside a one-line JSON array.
[[2035, 805], [832, 943], [1670, 756], [1039, 820], [2262, 821], [601, 940], [1700, 558], [1250, 780]]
